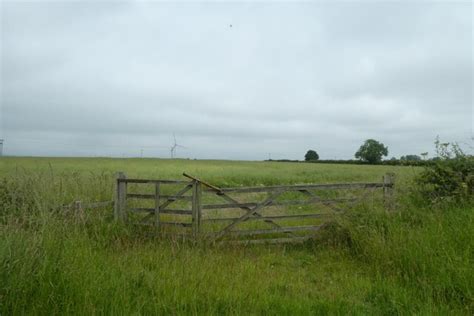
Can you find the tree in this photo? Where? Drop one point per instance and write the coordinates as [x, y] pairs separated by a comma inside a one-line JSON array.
[[311, 155], [410, 158], [371, 151]]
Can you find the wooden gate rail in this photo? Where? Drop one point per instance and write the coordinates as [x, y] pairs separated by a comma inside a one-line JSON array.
[[276, 203], [252, 210], [264, 218], [299, 187]]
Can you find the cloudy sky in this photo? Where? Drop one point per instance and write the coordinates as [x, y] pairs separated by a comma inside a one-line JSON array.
[[233, 80]]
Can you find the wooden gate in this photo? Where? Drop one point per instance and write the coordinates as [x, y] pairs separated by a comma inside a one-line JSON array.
[[266, 214], [163, 195]]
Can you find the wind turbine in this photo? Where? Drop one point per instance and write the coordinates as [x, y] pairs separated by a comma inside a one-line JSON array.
[[173, 148]]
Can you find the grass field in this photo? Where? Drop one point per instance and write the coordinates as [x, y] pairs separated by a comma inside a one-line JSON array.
[[416, 260]]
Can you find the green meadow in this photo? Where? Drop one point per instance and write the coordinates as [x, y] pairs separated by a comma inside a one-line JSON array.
[[417, 259]]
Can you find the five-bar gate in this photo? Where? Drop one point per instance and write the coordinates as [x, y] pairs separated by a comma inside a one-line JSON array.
[[263, 214]]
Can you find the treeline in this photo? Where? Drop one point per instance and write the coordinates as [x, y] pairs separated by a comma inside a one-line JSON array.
[[391, 162], [371, 152]]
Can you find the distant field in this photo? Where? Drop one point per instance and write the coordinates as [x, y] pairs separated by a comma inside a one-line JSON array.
[[221, 172], [417, 260]]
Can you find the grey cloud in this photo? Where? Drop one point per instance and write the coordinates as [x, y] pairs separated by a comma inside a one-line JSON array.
[[110, 78]]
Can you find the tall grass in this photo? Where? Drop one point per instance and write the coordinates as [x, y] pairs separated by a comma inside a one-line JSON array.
[[429, 250], [417, 259]]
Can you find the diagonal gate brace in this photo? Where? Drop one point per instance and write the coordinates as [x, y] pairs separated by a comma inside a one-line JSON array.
[[169, 201], [250, 211]]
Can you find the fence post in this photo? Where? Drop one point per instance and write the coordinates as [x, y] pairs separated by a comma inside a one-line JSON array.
[[157, 206], [388, 182], [196, 208], [78, 208], [120, 212]]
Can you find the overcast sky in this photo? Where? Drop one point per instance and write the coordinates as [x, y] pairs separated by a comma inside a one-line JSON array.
[[234, 80]]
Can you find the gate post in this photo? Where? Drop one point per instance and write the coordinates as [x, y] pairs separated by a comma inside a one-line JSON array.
[[157, 206], [120, 212], [388, 182], [196, 208]]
